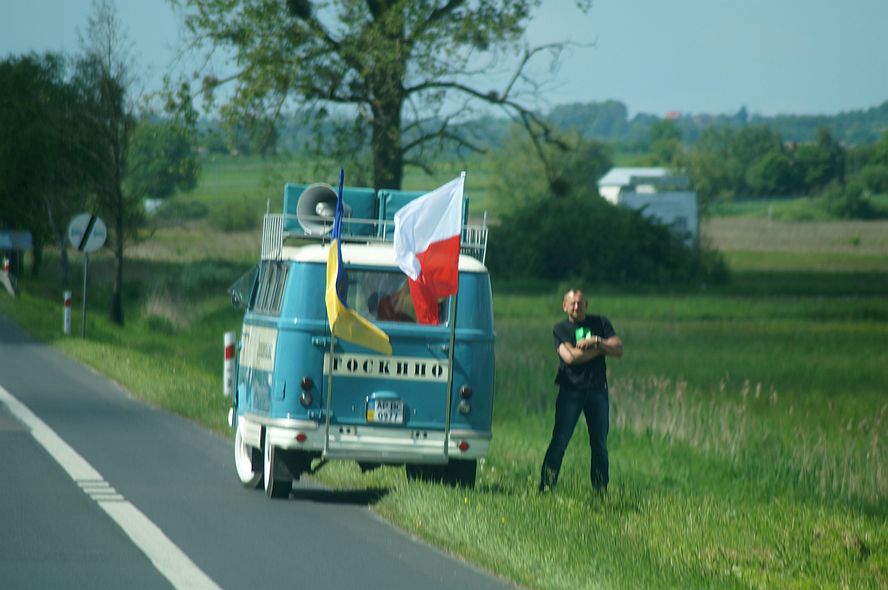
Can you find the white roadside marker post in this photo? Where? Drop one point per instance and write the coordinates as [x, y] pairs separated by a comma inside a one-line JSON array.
[[67, 313]]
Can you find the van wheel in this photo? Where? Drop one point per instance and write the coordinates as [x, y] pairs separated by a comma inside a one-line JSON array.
[[249, 472], [278, 481]]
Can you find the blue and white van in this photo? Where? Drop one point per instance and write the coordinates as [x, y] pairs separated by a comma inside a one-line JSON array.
[[291, 415]]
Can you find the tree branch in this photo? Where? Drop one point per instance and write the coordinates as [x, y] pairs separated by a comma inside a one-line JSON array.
[[437, 15]]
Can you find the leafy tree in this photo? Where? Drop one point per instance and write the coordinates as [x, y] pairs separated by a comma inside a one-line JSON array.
[[398, 66], [880, 151], [576, 164], [104, 79], [726, 162], [161, 160], [41, 169], [771, 174], [874, 178], [750, 144], [665, 141], [871, 164], [821, 162], [850, 202], [601, 120], [714, 168]]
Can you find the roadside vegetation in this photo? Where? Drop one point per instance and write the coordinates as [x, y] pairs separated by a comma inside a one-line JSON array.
[[748, 418]]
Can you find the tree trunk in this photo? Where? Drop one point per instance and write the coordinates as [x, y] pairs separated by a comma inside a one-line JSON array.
[[64, 261], [116, 314], [387, 100], [36, 255], [388, 161]]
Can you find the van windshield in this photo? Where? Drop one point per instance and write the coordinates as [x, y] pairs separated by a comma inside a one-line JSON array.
[[384, 296]]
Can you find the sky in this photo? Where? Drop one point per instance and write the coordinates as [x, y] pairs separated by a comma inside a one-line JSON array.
[[655, 56]]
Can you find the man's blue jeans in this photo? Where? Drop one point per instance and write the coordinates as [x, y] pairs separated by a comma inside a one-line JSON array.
[[568, 406]]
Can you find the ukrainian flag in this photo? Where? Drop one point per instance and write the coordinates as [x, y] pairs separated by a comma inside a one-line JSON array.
[[346, 323]]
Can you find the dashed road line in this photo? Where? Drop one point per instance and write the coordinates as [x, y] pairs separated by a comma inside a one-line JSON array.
[[147, 536]]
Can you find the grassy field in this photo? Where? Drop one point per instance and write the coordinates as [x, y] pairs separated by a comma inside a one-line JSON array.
[[749, 422], [251, 183]]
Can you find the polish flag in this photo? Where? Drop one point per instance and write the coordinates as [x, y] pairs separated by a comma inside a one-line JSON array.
[[427, 234]]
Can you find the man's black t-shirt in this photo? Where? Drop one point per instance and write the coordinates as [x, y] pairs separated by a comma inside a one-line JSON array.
[[591, 375]]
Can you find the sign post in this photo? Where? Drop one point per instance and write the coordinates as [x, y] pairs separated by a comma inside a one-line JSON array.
[[87, 233], [66, 318]]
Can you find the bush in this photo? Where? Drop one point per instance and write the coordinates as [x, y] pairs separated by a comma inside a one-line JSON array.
[[875, 178], [850, 202], [236, 216], [176, 210], [584, 237]]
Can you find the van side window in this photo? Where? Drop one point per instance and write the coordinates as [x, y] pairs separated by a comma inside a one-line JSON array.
[[270, 291]]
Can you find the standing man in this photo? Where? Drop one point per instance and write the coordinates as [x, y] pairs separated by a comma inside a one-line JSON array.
[[581, 342]]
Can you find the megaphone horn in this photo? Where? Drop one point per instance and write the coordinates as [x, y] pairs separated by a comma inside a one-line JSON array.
[[316, 208]]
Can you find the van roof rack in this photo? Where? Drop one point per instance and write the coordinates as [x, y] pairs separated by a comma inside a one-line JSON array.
[[308, 215]]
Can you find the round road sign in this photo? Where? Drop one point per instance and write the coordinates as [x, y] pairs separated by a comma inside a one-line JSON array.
[[87, 232]]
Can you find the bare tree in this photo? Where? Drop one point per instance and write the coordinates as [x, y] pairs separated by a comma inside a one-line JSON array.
[[104, 75]]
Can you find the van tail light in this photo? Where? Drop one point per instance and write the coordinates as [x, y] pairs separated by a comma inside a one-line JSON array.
[[306, 398], [463, 445], [301, 437], [228, 365]]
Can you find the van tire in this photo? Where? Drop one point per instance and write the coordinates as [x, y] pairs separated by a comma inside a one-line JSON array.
[[247, 461], [278, 481]]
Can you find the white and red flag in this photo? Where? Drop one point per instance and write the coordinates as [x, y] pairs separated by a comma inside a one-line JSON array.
[[427, 234]]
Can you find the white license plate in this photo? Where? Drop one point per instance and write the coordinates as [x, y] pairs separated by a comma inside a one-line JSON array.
[[385, 411]]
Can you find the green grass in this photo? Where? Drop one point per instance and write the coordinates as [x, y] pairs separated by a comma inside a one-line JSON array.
[[797, 209], [748, 421]]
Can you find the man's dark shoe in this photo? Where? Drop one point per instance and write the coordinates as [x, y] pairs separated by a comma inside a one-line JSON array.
[[548, 478]]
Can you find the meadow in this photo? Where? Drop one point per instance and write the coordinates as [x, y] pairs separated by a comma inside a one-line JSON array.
[[749, 421]]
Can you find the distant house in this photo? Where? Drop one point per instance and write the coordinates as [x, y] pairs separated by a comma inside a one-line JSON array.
[[657, 193]]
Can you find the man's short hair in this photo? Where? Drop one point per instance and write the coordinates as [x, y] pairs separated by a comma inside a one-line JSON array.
[[573, 290]]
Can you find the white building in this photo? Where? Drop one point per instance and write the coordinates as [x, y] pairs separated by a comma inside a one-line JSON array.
[[657, 193]]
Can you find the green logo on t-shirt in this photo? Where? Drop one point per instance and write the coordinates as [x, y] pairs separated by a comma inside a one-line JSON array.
[[583, 332]]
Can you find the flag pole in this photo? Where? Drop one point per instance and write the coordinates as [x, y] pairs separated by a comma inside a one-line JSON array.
[[329, 394], [338, 238], [448, 417]]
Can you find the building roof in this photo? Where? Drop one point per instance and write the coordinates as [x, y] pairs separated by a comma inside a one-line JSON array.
[[622, 176]]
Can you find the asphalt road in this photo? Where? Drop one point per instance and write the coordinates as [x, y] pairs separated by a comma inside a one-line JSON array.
[[130, 496]]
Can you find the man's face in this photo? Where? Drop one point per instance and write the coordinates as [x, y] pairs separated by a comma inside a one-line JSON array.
[[575, 306]]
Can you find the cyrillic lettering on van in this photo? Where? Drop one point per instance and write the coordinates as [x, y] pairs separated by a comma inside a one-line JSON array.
[[401, 368]]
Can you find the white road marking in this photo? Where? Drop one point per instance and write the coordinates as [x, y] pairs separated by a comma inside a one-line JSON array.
[[163, 553]]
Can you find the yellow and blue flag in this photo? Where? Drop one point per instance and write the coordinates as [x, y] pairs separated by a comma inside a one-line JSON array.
[[345, 322]]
